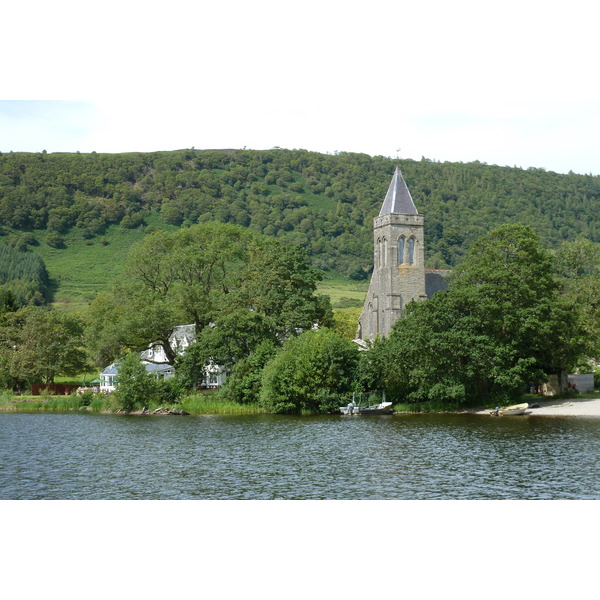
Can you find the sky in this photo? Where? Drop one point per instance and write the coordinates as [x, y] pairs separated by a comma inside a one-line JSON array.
[[512, 83]]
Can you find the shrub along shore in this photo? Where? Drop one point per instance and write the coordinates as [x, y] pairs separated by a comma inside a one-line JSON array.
[[207, 403], [99, 403]]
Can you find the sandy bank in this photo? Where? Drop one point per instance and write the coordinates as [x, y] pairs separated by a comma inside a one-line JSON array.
[[584, 407]]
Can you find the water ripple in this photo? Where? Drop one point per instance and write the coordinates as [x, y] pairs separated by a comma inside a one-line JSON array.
[[74, 456]]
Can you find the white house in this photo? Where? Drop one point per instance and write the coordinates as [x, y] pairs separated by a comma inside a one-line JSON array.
[[109, 376], [155, 361], [181, 338]]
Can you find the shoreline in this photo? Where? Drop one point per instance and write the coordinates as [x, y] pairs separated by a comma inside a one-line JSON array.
[[569, 407], [557, 407]]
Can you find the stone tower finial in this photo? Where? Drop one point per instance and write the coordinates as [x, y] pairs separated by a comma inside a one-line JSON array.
[[398, 199]]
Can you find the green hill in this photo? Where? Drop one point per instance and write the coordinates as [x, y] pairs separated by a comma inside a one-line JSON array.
[[85, 210]]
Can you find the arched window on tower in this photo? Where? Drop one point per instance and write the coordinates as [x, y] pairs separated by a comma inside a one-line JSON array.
[[379, 253], [401, 242], [384, 252], [411, 251]]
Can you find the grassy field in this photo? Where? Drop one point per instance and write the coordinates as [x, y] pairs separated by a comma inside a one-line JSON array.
[[84, 268], [344, 292]]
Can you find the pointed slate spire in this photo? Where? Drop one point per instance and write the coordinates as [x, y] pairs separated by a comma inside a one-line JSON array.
[[398, 198]]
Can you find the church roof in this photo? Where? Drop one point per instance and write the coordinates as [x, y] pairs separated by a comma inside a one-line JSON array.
[[398, 199]]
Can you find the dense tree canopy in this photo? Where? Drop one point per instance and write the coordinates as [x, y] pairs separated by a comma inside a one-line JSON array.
[[213, 275], [578, 265], [323, 203], [244, 382]]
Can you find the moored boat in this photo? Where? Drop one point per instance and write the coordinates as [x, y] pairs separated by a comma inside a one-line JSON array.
[[515, 409], [383, 408]]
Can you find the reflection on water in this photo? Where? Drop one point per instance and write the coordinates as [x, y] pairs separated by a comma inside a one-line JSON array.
[[86, 456]]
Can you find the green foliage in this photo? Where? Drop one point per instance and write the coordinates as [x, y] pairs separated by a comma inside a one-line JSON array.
[[243, 385], [136, 387], [233, 339], [168, 391], [37, 344], [211, 403], [54, 240], [345, 322], [246, 286], [85, 399], [308, 371], [23, 277], [100, 403], [578, 265], [19, 292], [323, 203]]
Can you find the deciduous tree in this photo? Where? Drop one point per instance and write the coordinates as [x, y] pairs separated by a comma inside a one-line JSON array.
[[37, 344], [214, 275]]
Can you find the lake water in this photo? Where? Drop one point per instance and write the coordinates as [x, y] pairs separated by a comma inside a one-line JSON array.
[[412, 457]]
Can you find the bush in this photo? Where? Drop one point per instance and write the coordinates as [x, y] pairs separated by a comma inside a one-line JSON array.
[[132, 221], [244, 382], [54, 240], [168, 391], [100, 402], [136, 386], [86, 398], [310, 373]]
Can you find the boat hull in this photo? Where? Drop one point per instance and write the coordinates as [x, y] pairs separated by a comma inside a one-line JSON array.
[[516, 409], [384, 408]]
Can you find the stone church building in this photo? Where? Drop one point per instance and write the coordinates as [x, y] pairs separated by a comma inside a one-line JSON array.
[[399, 273]]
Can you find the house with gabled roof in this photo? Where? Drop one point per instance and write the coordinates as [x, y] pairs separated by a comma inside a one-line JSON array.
[[109, 376], [180, 339], [156, 363]]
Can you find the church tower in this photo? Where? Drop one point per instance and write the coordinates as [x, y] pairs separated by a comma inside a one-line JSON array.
[[399, 262]]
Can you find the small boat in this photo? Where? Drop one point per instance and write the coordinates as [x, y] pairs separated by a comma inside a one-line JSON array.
[[515, 409], [383, 408]]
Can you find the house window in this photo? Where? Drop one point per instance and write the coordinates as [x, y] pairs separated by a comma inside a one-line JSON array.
[[401, 242], [411, 250]]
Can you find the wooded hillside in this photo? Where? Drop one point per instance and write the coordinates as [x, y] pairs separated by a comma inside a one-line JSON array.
[[322, 202]]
